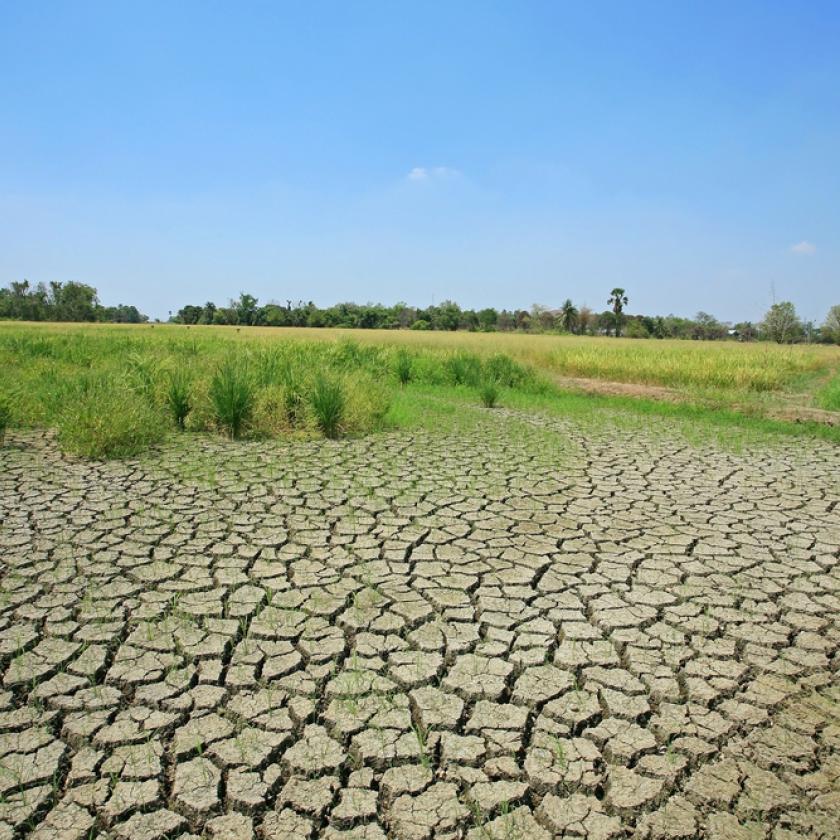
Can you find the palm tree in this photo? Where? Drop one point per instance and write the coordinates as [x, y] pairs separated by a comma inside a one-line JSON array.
[[568, 315], [618, 300]]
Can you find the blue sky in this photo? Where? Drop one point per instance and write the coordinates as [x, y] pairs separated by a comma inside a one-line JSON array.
[[495, 153]]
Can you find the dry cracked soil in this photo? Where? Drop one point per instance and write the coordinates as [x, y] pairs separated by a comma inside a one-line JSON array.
[[534, 629]]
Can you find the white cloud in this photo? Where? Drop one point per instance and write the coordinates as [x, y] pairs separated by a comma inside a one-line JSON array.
[[424, 173], [804, 247]]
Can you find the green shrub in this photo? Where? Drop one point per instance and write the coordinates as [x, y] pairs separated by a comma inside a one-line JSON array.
[[232, 396], [505, 371], [464, 369], [5, 418], [403, 366], [107, 420], [328, 403], [177, 396], [489, 393]]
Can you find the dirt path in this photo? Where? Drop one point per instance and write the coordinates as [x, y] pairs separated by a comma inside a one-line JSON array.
[[787, 409]]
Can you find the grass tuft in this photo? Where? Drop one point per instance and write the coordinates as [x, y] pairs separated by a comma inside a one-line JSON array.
[[403, 366], [328, 402], [489, 393], [294, 397], [464, 369], [177, 397], [232, 396]]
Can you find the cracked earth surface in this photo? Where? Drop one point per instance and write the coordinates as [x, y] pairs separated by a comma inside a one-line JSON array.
[[533, 630]]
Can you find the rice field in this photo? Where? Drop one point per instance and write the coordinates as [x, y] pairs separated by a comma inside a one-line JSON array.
[[752, 366], [114, 390], [757, 366]]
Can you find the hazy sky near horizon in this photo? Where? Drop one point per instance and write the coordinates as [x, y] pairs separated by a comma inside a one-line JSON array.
[[494, 153]]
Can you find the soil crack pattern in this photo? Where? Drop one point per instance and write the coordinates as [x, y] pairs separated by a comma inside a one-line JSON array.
[[535, 629]]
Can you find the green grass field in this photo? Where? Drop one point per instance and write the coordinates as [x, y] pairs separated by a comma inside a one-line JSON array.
[[112, 390]]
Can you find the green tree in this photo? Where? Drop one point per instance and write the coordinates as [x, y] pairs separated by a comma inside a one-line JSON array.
[[447, 316], [403, 314], [188, 314], [487, 319], [208, 312], [246, 309], [541, 317], [707, 327], [831, 326], [23, 302], [73, 301], [585, 320], [618, 300], [745, 330], [637, 329], [226, 315], [781, 323], [568, 315]]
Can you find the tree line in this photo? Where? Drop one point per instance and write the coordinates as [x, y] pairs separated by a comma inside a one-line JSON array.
[[781, 323], [79, 302], [62, 302]]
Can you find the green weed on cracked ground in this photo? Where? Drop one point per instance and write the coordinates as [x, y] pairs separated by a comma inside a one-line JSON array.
[[328, 405], [232, 395], [177, 396], [489, 393]]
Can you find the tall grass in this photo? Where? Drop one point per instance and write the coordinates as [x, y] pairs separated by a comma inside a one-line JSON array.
[[107, 419], [329, 405], [489, 393], [403, 366], [5, 418], [141, 372], [177, 397], [232, 396], [294, 396]]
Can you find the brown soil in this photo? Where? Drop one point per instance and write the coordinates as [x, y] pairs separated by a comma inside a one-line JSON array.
[[618, 389], [789, 411]]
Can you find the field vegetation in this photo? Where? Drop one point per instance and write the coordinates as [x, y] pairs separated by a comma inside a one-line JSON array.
[[114, 390]]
